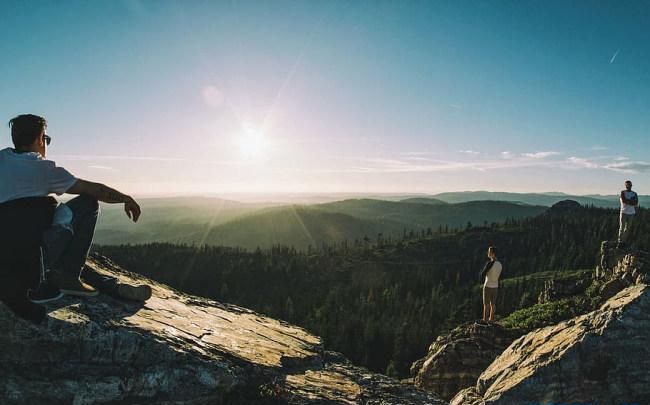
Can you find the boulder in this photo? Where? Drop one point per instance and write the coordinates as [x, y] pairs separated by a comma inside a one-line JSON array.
[[455, 360], [612, 287], [558, 288], [614, 260], [176, 349], [599, 357], [620, 268]]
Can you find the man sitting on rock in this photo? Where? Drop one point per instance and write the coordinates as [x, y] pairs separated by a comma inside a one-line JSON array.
[[25, 172], [491, 271], [629, 200]]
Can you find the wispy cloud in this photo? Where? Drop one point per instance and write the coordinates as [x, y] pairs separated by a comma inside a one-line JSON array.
[[614, 56], [415, 154], [116, 157], [405, 165], [418, 158], [98, 167], [528, 155], [629, 167], [162, 159], [484, 162], [506, 160], [378, 165], [470, 152], [581, 163], [541, 154], [619, 164], [456, 106]]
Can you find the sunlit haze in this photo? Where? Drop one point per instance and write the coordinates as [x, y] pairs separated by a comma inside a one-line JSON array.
[[194, 97]]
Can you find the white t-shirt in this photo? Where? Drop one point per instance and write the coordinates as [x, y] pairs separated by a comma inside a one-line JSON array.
[[30, 175], [492, 276], [626, 208]]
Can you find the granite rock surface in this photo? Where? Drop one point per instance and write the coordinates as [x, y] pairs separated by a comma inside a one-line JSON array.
[[600, 357], [177, 349]]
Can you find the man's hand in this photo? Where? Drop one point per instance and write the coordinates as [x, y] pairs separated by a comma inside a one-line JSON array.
[[132, 209], [108, 195]]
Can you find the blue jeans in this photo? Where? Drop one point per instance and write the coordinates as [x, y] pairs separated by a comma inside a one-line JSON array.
[[66, 248]]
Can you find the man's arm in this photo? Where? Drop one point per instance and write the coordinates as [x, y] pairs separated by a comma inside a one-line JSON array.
[[108, 195], [486, 269], [634, 201], [625, 200]]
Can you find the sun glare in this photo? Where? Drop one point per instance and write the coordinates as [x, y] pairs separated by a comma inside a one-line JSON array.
[[253, 143]]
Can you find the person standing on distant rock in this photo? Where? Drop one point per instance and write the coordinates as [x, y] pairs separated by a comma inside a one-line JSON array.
[[629, 201], [25, 172], [491, 271]]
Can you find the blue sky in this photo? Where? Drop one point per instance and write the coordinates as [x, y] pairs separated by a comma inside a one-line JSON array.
[[216, 97]]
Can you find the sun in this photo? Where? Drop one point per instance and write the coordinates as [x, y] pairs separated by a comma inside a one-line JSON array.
[[253, 143]]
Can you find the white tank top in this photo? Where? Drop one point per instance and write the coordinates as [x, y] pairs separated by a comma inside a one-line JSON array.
[[625, 208], [492, 276]]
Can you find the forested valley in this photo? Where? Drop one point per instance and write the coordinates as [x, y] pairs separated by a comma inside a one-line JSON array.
[[382, 302]]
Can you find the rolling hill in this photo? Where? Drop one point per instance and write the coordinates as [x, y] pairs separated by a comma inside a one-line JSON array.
[[545, 199], [295, 225], [250, 226], [178, 219], [412, 213]]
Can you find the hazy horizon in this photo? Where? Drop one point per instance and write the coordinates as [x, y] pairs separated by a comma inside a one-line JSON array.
[[304, 197], [166, 97]]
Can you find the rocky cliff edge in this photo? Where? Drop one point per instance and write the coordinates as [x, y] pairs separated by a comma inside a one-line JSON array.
[[600, 357], [177, 349]]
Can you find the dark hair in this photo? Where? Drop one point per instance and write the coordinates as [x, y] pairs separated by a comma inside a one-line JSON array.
[[494, 250], [26, 128]]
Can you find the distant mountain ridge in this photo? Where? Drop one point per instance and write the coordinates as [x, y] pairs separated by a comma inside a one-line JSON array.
[[424, 200], [241, 225], [545, 199], [209, 220]]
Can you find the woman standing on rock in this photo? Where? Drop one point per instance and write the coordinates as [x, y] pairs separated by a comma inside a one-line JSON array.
[[491, 272]]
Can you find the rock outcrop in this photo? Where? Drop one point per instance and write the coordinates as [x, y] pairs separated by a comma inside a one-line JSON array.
[[565, 205], [558, 288], [177, 349], [456, 360], [599, 357], [621, 268], [524, 373]]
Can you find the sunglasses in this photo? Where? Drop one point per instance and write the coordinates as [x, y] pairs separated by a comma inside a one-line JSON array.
[[48, 139]]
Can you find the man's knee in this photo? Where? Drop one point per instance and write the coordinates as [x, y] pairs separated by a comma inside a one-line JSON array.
[[90, 202], [84, 203]]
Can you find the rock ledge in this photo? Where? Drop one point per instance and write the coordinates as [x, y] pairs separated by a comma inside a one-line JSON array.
[[177, 349], [600, 357]]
